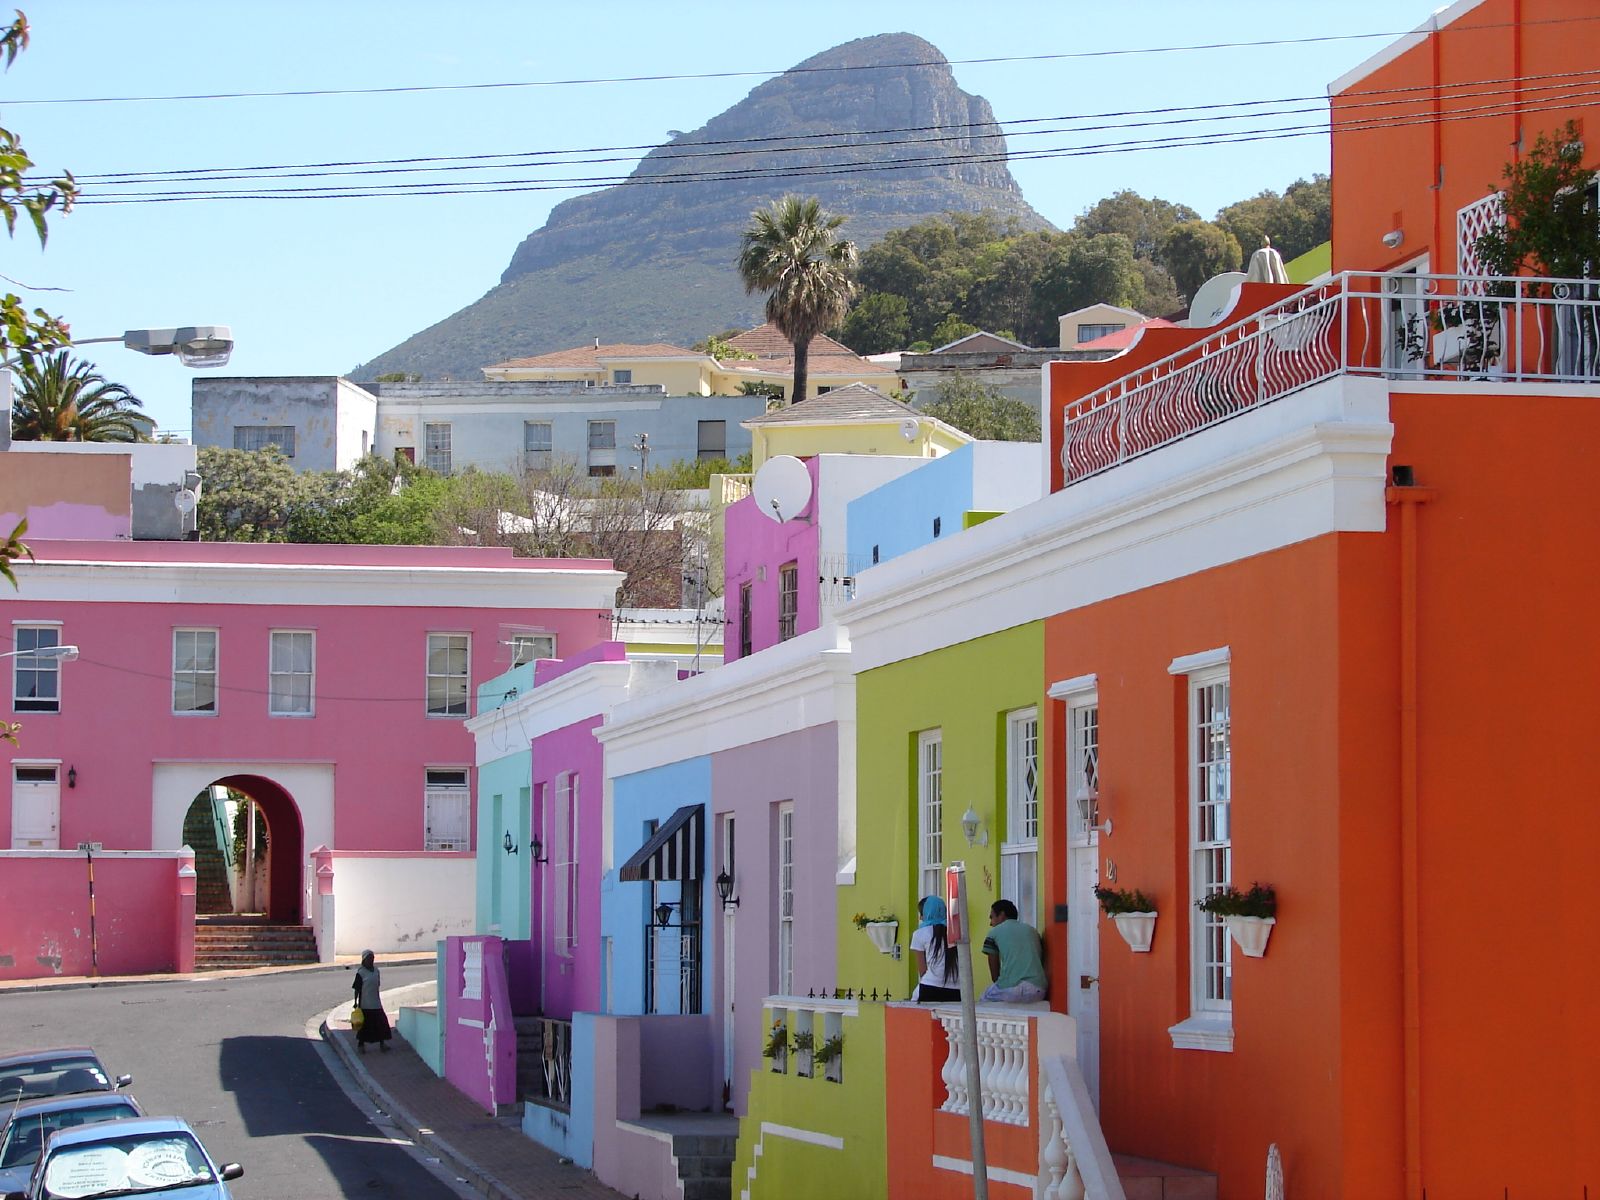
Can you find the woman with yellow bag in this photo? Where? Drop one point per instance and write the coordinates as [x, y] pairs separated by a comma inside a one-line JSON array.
[[367, 1018]]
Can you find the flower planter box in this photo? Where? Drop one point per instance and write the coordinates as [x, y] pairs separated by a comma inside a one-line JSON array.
[[1251, 933], [882, 934], [1137, 929]]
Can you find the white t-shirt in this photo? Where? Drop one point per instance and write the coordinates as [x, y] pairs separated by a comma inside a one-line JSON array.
[[922, 939]]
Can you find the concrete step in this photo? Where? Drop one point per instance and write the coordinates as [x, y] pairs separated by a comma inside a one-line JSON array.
[[222, 944], [698, 1145], [1147, 1179], [707, 1189], [705, 1166]]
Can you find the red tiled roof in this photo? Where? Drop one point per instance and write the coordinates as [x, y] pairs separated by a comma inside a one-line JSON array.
[[1123, 338], [764, 341], [588, 358]]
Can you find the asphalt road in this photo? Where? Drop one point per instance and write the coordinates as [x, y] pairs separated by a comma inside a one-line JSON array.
[[232, 1058]]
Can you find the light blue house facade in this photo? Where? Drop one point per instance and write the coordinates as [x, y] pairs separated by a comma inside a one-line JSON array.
[[505, 808]]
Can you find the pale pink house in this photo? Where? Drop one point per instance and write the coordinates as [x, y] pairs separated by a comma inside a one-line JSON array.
[[330, 684]]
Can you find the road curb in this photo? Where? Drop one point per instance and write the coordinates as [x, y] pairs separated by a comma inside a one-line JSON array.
[[476, 1177], [58, 985]]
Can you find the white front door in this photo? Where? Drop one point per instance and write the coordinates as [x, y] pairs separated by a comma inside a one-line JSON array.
[[1083, 963], [35, 808]]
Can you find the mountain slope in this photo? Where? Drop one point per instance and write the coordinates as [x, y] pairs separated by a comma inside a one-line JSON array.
[[651, 259]]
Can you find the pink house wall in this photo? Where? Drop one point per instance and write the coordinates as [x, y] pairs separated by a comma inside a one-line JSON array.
[[44, 899], [571, 982], [757, 546], [749, 783], [480, 1038]]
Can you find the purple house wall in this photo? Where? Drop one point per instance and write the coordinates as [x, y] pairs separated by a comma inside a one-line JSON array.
[[755, 550]]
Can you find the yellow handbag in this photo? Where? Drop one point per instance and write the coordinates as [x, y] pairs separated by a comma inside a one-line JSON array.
[[356, 1018]]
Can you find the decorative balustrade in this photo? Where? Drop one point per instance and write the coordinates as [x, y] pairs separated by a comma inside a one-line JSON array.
[[1004, 1072], [735, 488], [1400, 326], [826, 1045], [556, 1061]]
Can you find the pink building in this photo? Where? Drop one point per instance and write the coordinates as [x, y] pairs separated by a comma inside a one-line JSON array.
[[329, 684]]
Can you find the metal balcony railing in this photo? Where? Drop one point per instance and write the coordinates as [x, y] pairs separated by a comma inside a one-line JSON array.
[[1400, 326]]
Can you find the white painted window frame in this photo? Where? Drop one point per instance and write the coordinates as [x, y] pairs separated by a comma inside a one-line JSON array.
[[1019, 855], [22, 662], [438, 447], [784, 876], [930, 812], [566, 864], [434, 796], [1209, 1025], [429, 675], [215, 673], [273, 674], [519, 641]]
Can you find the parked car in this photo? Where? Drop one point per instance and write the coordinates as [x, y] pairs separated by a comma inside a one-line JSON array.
[[26, 1127], [36, 1073], [145, 1156]]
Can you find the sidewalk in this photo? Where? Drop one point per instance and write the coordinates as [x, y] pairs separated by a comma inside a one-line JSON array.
[[343, 962], [491, 1153]]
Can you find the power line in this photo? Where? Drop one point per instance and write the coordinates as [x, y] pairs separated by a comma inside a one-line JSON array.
[[375, 191], [797, 70]]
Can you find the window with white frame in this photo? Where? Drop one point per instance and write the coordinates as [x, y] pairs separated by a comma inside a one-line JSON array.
[[930, 812], [526, 647], [194, 671], [622, 375], [785, 904], [1019, 853], [1088, 333], [447, 810], [566, 864], [293, 672], [1210, 835], [35, 680], [788, 599], [449, 673], [538, 443], [602, 435], [436, 446], [1083, 767], [259, 437]]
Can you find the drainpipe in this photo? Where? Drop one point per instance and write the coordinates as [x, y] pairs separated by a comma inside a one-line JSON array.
[[1406, 496]]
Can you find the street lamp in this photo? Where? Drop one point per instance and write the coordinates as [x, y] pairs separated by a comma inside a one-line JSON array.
[[195, 345], [58, 653]]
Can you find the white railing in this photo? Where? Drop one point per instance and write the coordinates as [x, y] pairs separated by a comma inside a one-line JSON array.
[[735, 488], [1004, 1073], [797, 1015], [1401, 326], [1074, 1160]]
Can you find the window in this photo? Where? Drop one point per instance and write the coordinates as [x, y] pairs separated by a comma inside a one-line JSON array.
[[785, 906], [930, 812], [713, 439], [788, 599], [526, 647], [259, 437], [293, 671], [1210, 838], [566, 864], [35, 681], [448, 673], [436, 447], [1088, 333], [194, 670], [1083, 768], [1019, 853], [622, 376], [745, 642], [538, 443], [602, 470], [447, 810], [602, 435]]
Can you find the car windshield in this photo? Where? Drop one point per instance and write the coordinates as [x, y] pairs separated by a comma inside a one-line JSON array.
[[53, 1077], [26, 1134], [125, 1166]]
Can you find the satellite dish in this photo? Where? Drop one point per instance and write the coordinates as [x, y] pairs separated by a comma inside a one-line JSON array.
[[782, 488], [1212, 299], [184, 501], [910, 428]]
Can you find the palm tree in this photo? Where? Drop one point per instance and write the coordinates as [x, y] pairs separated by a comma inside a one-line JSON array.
[[61, 400], [792, 252]]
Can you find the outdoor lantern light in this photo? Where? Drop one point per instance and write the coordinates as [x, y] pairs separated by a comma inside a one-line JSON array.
[[971, 825], [536, 848], [72, 777], [725, 890], [664, 913], [510, 846]]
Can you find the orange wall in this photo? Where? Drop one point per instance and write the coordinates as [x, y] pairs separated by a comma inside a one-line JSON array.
[[1386, 178]]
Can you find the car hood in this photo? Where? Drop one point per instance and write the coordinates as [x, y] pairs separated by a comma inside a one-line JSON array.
[[15, 1179]]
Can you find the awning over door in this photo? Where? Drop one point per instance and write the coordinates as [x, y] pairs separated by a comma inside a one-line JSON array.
[[673, 851]]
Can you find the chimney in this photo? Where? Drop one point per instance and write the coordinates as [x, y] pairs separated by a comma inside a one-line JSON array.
[[597, 343]]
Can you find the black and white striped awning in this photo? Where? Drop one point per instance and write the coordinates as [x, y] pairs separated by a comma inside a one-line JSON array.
[[673, 851]]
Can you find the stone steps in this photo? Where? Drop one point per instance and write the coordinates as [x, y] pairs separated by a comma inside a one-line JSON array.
[[226, 946], [1147, 1179], [705, 1164]]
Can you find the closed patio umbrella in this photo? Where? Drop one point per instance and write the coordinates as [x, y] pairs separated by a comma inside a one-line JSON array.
[[1266, 265]]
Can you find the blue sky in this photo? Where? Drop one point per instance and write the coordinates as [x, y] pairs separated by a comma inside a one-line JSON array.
[[315, 287]]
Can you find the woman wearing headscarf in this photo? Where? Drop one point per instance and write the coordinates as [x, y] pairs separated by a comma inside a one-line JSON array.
[[936, 958], [367, 987]]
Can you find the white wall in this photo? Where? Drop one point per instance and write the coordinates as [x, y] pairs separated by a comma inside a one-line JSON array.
[[395, 902], [173, 787]]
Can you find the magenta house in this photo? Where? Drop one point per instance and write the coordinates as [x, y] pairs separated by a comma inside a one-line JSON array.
[[328, 685]]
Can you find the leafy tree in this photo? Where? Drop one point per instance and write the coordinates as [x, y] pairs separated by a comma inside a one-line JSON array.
[[1143, 222], [64, 400], [1000, 298], [248, 495], [1160, 291], [720, 346], [1080, 272], [686, 475], [399, 377], [950, 329], [982, 411], [1296, 221], [1550, 227], [793, 252], [1194, 251], [879, 322]]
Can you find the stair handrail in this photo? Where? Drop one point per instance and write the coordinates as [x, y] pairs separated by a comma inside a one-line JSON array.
[[1085, 1153]]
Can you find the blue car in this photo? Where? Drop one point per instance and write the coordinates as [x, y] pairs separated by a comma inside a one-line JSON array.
[[37, 1073], [26, 1127], [146, 1156]]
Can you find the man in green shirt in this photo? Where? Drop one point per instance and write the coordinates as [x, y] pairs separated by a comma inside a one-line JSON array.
[[1016, 959]]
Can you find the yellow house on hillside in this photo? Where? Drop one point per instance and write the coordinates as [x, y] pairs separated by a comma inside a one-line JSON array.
[[856, 419], [761, 356]]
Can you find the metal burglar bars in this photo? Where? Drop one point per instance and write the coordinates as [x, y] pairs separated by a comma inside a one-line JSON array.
[[1401, 325]]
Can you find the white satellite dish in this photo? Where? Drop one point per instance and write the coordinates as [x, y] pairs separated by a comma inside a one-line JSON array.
[[184, 501], [910, 428], [1212, 299], [782, 488]]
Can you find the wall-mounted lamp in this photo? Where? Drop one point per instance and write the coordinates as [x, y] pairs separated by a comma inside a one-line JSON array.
[[536, 850], [972, 826], [725, 890], [1393, 238], [72, 777], [507, 844], [664, 912]]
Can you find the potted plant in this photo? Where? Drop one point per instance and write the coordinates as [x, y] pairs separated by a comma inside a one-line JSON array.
[[828, 1054], [777, 1047], [881, 929], [1133, 913], [1249, 916], [802, 1044]]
